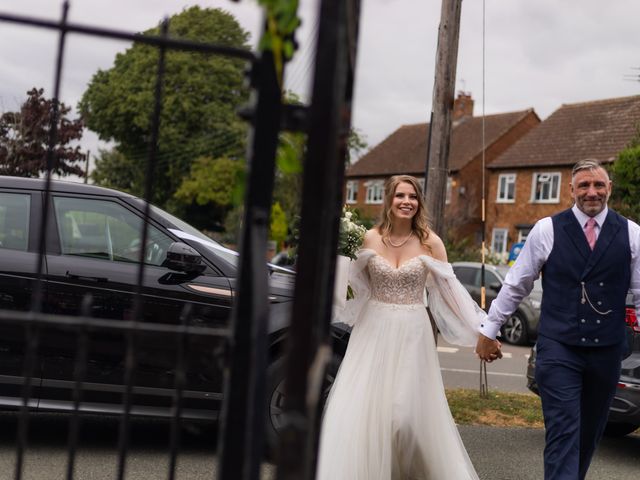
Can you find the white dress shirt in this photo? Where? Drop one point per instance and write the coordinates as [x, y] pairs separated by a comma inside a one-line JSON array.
[[537, 248]]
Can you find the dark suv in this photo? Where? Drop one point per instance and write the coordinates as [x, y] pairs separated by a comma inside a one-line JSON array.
[[92, 246], [520, 328]]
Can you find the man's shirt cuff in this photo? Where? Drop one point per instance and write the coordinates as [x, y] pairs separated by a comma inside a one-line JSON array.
[[489, 329]]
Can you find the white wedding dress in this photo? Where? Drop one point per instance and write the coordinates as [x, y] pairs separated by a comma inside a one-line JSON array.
[[387, 416]]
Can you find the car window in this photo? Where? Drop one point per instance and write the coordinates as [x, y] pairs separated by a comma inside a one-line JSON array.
[[106, 230], [490, 278], [467, 275], [14, 221]]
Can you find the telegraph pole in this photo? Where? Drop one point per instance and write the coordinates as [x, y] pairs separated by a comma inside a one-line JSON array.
[[437, 168]]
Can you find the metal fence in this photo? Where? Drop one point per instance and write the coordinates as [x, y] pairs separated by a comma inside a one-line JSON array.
[[326, 121]]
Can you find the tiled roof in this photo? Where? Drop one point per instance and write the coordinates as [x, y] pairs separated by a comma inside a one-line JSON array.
[[405, 150], [598, 129]]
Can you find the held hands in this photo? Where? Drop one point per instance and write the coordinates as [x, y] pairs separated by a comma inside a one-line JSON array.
[[487, 349]]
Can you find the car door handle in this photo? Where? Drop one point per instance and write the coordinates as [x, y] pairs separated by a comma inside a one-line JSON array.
[[90, 279]]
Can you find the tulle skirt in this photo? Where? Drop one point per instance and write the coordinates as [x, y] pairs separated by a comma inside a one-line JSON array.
[[387, 416]]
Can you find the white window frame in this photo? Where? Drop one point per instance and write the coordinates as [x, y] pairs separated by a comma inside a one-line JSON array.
[[534, 183], [447, 198], [352, 192], [505, 180], [375, 192], [522, 237], [505, 235]]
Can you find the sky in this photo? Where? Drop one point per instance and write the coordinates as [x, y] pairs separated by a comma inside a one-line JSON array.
[[537, 54]]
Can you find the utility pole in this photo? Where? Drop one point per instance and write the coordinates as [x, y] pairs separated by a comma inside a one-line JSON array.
[[437, 168]]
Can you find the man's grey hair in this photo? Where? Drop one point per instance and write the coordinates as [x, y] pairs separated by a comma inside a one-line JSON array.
[[587, 164]]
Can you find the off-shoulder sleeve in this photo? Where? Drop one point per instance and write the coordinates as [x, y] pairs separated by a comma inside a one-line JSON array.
[[457, 315], [359, 282]]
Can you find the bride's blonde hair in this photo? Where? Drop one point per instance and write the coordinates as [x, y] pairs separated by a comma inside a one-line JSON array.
[[419, 223]]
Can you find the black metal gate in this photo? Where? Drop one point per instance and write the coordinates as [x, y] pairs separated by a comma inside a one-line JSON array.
[[308, 348]]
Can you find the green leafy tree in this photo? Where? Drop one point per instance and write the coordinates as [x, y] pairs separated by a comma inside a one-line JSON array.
[[357, 144], [201, 94], [24, 139], [625, 174], [279, 227], [207, 193], [114, 170]]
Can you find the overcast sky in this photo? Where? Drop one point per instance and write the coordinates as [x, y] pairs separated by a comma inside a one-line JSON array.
[[539, 53]]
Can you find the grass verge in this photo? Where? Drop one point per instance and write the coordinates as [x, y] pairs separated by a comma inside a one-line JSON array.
[[498, 409]]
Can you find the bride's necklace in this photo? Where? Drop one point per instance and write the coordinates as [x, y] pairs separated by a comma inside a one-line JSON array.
[[397, 245]]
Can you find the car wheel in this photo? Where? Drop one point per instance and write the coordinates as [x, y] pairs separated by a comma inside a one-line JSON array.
[[619, 429], [275, 420], [514, 330]]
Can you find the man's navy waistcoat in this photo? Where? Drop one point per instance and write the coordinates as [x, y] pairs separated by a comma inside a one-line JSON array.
[[584, 291]]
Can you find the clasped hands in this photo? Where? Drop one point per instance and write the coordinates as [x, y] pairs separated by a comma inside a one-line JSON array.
[[488, 349]]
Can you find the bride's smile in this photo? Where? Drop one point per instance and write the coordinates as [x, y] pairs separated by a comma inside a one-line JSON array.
[[405, 201]]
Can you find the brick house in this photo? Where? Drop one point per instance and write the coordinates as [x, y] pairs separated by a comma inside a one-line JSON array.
[[405, 152], [532, 179]]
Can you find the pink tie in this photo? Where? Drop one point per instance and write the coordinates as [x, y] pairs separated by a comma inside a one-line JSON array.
[[590, 232]]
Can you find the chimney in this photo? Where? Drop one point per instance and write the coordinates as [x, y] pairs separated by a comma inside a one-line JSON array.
[[462, 106]]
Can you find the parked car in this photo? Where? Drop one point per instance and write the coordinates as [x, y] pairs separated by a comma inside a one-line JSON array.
[[284, 259], [522, 327], [92, 246], [624, 414]]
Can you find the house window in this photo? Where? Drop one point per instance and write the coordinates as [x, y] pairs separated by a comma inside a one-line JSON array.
[[352, 191], [375, 191], [499, 240], [523, 233], [447, 198], [546, 187], [506, 188]]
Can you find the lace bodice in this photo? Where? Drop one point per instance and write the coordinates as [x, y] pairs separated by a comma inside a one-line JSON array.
[[403, 285]]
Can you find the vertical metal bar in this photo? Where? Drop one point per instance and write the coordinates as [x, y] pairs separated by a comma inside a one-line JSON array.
[[241, 435], [330, 118], [130, 359], [180, 380], [32, 331], [79, 373]]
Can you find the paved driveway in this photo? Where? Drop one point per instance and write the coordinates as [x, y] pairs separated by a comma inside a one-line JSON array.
[[516, 454]]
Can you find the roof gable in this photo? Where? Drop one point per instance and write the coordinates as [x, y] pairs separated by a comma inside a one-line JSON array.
[[405, 150], [598, 129]]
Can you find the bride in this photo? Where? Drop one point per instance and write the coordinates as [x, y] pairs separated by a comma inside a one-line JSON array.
[[387, 416]]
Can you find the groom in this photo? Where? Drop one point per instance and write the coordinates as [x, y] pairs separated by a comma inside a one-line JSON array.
[[588, 256]]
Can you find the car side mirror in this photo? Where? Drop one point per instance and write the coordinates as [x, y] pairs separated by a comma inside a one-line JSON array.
[[182, 258], [495, 287]]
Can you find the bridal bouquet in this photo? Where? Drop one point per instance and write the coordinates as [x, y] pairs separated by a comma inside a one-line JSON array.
[[349, 241], [351, 235]]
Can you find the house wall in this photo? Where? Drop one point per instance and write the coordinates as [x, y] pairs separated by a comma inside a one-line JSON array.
[[524, 210], [463, 213]]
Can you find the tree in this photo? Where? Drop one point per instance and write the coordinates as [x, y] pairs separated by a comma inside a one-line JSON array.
[[357, 143], [207, 194], [278, 228], [24, 139], [625, 174], [114, 170], [200, 97]]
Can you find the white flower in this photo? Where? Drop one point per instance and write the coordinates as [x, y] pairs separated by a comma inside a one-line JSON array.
[[351, 235]]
